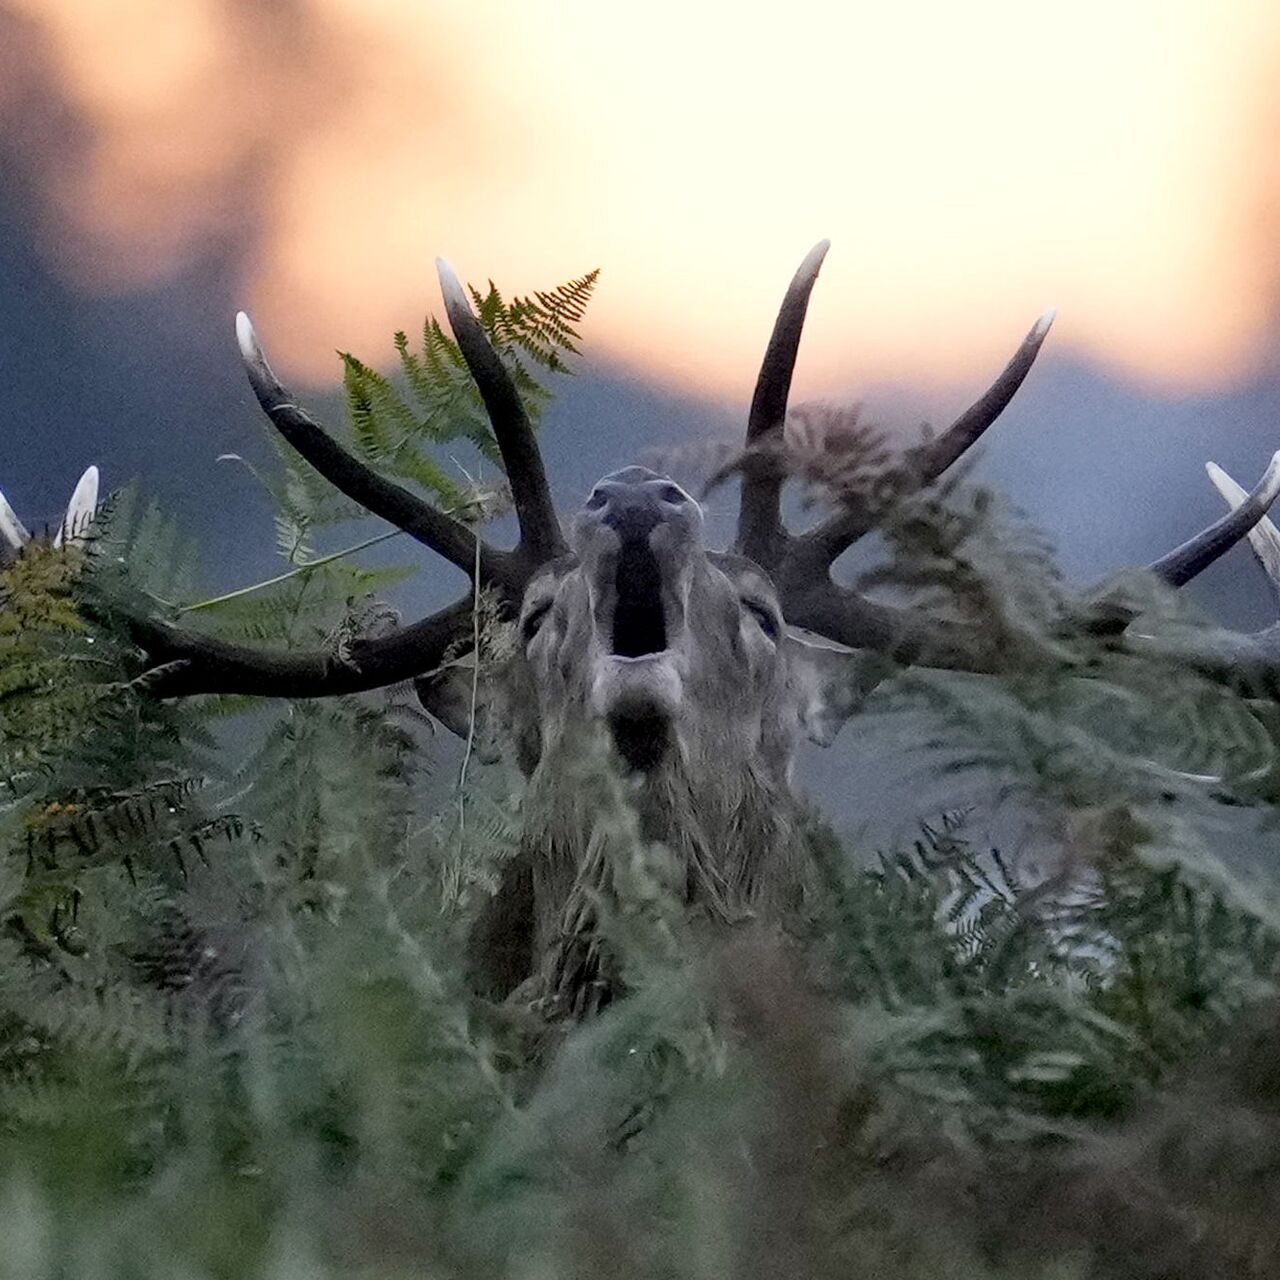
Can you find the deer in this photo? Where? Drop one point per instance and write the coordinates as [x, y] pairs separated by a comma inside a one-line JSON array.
[[700, 670]]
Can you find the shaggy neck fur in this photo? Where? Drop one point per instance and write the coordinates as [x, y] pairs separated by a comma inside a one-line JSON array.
[[732, 843]]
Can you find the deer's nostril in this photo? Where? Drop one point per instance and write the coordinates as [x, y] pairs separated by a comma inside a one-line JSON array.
[[633, 521], [597, 500]]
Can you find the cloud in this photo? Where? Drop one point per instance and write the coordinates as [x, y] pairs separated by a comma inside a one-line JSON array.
[[149, 129], [972, 163]]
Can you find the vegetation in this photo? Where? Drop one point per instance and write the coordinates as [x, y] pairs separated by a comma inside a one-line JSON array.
[[236, 1037]]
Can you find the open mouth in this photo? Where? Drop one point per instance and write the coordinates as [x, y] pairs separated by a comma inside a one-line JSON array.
[[639, 702], [639, 623]]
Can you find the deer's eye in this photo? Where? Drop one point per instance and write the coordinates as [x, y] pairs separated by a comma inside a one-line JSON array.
[[533, 621], [765, 617]]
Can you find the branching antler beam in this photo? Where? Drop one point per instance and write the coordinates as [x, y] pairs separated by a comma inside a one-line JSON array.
[[800, 566], [419, 519], [761, 536], [540, 534], [925, 463], [907, 636], [187, 663]]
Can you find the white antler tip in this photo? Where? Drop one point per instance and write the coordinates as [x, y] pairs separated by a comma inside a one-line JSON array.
[[250, 347], [1269, 486], [11, 529], [1045, 323], [813, 260], [80, 510], [1264, 537], [1234, 494], [451, 287]]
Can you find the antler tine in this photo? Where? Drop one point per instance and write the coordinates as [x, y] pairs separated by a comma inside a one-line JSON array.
[[540, 533], [1248, 662], [1264, 537], [932, 459], [1197, 554], [185, 662], [927, 462], [80, 510], [12, 529], [760, 532], [420, 520], [75, 522]]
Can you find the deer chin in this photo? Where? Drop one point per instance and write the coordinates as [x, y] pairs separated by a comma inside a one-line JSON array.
[[638, 698]]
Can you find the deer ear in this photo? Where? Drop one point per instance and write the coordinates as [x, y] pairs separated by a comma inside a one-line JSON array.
[[830, 681], [452, 696]]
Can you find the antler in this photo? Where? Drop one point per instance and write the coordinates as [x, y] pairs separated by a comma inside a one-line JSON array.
[[1179, 566], [925, 463], [75, 522], [541, 538], [186, 663], [801, 563], [1264, 538], [761, 535], [1252, 660]]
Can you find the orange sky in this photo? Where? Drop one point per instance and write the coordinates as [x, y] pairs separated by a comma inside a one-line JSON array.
[[972, 162]]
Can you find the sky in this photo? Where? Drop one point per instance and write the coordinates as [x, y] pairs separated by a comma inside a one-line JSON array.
[[166, 162], [973, 163]]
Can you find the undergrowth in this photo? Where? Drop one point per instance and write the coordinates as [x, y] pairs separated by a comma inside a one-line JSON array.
[[236, 1036]]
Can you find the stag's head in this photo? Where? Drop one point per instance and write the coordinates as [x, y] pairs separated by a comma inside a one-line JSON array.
[[675, 650], [679, 652]]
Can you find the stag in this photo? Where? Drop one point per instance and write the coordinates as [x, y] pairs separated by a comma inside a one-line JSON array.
[[703, 669]]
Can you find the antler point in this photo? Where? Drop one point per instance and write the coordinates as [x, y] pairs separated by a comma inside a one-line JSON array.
[[813, 259], [1269, 488], [450, 285], [250, 347]]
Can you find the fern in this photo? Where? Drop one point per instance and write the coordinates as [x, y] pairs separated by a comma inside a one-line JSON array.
[[236, 1036], [532, 335]]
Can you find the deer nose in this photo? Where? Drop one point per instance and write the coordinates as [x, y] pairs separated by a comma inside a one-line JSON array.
[[630, 511], [632, 516]]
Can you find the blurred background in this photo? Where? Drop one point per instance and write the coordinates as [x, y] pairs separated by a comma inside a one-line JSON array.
[[166, 164]]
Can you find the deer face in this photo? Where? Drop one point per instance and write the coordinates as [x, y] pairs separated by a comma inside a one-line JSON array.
[[681, 654]]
